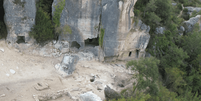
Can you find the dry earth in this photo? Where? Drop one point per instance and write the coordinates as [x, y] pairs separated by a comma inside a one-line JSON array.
[[30, 70]]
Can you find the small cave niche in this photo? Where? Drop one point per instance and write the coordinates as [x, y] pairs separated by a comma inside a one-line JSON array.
[[137, 53], [130, 53], [75, 44], [3, 30], [92, 42], [20, 39]]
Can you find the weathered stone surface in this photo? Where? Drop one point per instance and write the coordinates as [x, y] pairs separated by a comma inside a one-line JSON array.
[[134, 43], [68, 63], [116, 20], [41, 86], [181, 30], [160, 30], [19, 18], [192, 9], [188, 25], [83, 17], [89, 96]]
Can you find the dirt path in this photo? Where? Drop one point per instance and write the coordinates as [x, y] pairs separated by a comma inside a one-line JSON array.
[[30, 70]]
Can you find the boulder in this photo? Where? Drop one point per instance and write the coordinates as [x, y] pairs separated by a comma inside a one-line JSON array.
[[111, 94], [68, 64], [160, 30], [83, 17], [188, 25], [181, 30], [89, 96], [192, 9]]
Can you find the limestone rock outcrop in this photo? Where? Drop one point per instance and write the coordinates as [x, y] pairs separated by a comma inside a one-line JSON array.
[[188, 25], [121, 40], [19, 18], [87, 19], [192, 9]]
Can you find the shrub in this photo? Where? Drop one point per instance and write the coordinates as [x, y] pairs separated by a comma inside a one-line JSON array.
[[137, 12], [43, 29], [56, 18], [101, 36], [57, 13]]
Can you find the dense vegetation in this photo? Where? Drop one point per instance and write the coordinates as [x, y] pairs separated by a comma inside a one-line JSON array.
[[174, 71], [43, 28], [48, 27]]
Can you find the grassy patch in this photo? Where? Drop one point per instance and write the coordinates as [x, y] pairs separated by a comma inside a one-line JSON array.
[[101, 36], [56, 18], [67, 29]]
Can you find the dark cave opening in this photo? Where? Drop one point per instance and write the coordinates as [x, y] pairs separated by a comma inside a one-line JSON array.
[[3, 31], [137, 53], [130, 53], [92, 42], [75, 44], [20, 39]]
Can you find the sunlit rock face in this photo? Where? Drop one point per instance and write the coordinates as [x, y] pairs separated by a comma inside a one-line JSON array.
[[87, 17], [83, 16], [19, 18]]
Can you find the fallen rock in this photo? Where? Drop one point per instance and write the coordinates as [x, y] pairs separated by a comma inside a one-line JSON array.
[[188, 25], [111, 94], [41, 86], [2, 50], [12, 71], [160, 30], [89, 96], [8, 75], [67, 65], [3, 95]]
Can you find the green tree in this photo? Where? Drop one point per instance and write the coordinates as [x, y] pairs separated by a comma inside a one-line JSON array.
[[42, 30], [147, 76]]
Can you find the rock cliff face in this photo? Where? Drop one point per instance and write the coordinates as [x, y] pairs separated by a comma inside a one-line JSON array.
[[122, 39], [19, 18]]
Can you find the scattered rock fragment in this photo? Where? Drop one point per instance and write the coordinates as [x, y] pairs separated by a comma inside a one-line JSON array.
[[8, 75], [2, 50], [12, 71], [41, 86], [3, 95], [89, 96]]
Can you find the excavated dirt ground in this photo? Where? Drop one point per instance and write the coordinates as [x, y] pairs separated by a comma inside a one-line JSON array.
[[30, 70]]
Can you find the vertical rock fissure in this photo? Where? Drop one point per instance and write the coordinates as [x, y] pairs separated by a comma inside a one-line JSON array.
[[3, 31]]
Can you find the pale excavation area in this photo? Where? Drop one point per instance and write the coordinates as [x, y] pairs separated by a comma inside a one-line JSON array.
[[32, 74]]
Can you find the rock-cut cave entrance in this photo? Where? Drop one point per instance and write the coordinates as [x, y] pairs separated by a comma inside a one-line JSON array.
[[20, 39], [3, 31], [74, 44], [92, 42]]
